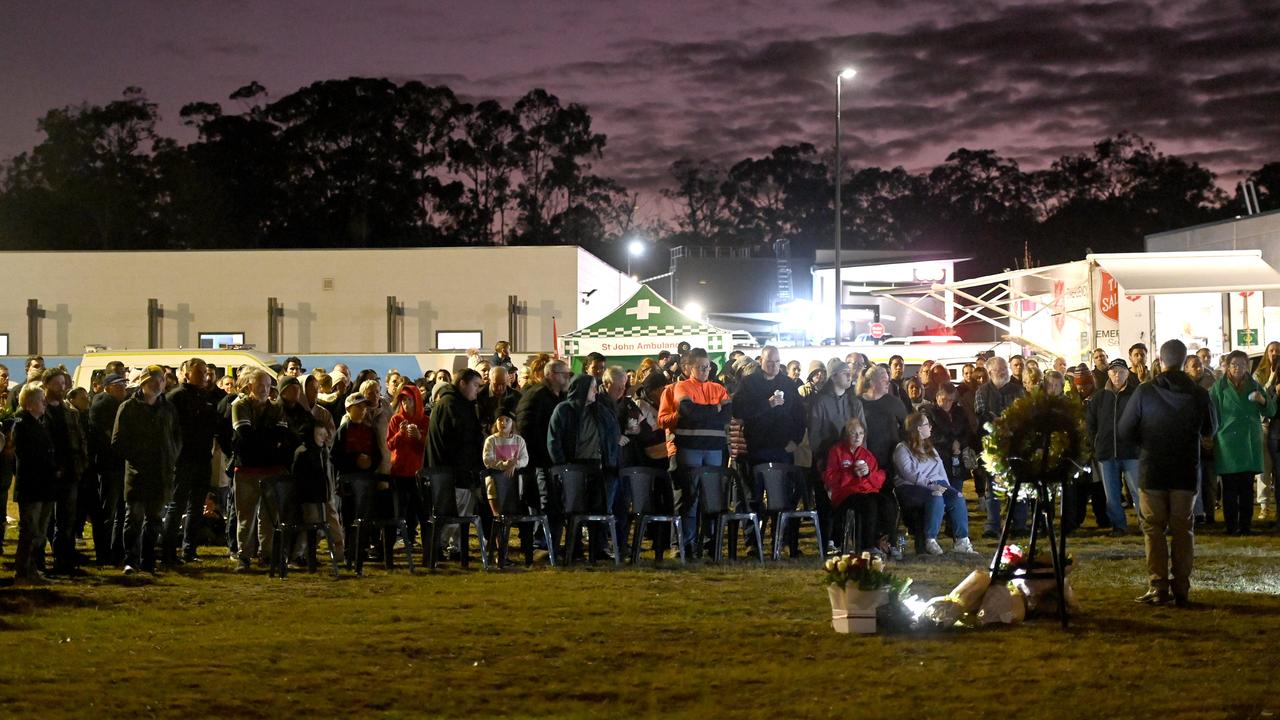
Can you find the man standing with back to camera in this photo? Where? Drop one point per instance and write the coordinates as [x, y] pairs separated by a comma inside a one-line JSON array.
[[1167, 418]]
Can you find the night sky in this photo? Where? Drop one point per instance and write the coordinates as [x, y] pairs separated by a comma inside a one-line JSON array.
[[706, 78]]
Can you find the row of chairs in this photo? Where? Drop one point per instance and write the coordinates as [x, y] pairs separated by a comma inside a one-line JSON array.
[[722, 505], [722, 496]]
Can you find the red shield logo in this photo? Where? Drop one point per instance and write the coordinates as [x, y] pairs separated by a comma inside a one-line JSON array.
[[1109, 297]]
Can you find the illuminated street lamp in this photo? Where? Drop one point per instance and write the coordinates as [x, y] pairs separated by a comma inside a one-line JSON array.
[[845, 74], [635, 249]]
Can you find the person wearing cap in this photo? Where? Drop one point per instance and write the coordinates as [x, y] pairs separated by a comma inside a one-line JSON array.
[[198, 419], [356, 454], [814, 379], [1115, 455], [147, 436], [108, 465]]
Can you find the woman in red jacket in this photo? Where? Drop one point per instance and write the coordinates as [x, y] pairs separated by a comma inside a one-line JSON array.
[[407, 443], [853, 480]]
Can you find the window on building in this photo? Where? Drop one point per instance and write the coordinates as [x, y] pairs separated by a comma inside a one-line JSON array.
[[459, 339], [216, 340]]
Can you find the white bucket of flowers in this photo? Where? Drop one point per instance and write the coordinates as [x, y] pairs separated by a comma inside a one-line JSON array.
[[857, 586]]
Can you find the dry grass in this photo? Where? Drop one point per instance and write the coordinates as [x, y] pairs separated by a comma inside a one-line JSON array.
[[705, 642]]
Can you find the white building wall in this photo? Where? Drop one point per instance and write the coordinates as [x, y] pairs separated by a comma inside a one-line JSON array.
[[101, 297]]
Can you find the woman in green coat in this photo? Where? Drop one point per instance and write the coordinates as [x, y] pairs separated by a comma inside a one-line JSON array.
[[1241, 403]]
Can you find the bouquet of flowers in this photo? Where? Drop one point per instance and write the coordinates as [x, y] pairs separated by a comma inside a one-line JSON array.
[[1015, 561], [859, 589], [865, 572]]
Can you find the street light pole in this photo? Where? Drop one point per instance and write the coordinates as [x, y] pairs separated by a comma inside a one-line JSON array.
[[846, 74]]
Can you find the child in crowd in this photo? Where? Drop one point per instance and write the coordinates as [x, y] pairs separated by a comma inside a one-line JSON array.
[[504, 452]]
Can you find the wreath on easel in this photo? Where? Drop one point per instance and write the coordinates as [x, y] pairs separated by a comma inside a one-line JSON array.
[[1039, 437]]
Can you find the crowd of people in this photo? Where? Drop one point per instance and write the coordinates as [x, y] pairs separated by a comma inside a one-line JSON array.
[[158, 462]]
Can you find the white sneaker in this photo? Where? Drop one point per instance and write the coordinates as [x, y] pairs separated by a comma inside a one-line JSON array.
[[963, 547], [831, 548], [932, 547], [129, 570]]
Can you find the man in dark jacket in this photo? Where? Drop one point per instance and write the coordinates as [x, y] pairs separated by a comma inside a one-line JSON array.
[[147, 436], [71, 450], [1114, 454], [36, 484], [198, 419], [498, 397], [1167, 418], [109, 465], [771, 411], [533, 418], [989, 403], [455, 440]]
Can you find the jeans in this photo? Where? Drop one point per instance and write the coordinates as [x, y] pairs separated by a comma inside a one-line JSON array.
[[1168, 510], [141, 528], [686, 494], [1237, 501], [1019, 511], [1111, 470], [185, 512], [950, 503], [33, 523]]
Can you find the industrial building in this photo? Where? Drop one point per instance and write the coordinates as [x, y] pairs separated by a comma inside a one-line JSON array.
[[303, 301]]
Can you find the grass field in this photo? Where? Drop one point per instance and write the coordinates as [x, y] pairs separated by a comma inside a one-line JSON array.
[[706, 641]]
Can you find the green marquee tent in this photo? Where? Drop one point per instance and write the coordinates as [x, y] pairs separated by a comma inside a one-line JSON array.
[[641, 327]]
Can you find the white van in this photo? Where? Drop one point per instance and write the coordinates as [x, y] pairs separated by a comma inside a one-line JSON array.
[[93, 365]]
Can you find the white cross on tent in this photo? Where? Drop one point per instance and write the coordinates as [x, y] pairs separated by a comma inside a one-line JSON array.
[[643, 309]]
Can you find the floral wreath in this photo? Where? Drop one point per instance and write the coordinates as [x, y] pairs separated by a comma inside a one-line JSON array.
[[1039, 437]]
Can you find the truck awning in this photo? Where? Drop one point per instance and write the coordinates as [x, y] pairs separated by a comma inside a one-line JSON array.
[[1189, 272]]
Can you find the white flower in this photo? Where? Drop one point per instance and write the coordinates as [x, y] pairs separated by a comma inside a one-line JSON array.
[[843, 565], [830, 565]]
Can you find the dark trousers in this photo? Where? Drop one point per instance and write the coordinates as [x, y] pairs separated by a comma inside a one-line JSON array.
[[822, 503], [33, 524], [887, 518], [142, 518], [543, 496], [91, 508], [65, 556], [865, 509], [1237, 501], [111, 491], [183, 518]]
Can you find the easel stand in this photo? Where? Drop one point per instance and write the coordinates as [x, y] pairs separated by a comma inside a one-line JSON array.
[[1041, 518]]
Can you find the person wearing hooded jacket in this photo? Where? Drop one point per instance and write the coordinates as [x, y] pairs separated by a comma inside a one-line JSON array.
[[1167, 418], [830, 409], [407, 442], [584, 432], [1113, 453]]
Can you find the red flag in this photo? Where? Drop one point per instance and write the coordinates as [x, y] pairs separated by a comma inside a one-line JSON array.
[[555, 338]]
